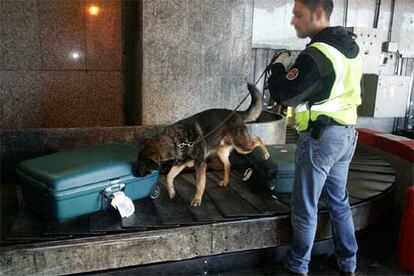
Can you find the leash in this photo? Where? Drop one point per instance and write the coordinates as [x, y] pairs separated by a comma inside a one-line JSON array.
[[267, 69], [198, 140], [180, 146]]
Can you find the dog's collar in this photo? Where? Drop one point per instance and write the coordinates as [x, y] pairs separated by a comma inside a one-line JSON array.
[[180, 152]]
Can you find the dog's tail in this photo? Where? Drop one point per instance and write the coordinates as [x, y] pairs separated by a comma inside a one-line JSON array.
[[255, 108]]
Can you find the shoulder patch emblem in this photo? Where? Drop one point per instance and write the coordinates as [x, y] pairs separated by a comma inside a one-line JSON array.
[[292, 74]]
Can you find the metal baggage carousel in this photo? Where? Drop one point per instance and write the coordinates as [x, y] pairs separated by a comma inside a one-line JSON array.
[[230, 219]]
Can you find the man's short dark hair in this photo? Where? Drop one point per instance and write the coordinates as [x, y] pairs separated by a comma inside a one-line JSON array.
[[326, 5]]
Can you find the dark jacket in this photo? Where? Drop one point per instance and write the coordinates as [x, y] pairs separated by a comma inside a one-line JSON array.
[[316, 75]]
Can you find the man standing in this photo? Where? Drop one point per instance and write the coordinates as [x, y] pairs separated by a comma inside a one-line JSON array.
[[324, 87]]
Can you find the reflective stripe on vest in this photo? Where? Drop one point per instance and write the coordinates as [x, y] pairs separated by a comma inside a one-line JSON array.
[[345, 94]]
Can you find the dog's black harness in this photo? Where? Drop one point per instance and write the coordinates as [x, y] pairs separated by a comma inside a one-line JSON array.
[[182, 150]]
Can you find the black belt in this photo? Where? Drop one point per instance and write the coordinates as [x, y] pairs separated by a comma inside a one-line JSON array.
[[317, 127], [312, 124]]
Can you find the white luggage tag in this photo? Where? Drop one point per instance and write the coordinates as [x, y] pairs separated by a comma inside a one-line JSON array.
[[119, 200], [123, 204]]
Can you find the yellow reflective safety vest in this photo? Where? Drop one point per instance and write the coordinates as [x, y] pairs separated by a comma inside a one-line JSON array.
[[345, 95]]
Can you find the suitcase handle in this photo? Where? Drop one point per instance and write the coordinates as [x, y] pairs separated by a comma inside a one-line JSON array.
[[111, 190]]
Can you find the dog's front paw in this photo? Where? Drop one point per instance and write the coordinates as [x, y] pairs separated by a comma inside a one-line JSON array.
[[223, 183], [266, 156], [171, 192], [196, 202]]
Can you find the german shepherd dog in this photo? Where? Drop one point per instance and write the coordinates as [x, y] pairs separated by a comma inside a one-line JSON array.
[[190, 141]]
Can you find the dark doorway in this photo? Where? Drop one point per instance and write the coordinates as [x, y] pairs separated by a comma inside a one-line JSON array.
[[132, 62]]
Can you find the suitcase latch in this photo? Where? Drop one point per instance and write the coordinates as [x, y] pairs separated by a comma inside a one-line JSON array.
[[118, 199], [116, 187]]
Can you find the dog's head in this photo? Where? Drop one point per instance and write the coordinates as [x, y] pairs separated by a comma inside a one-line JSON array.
[[149, 157]]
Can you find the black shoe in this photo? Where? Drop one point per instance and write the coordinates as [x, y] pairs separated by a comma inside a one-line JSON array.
[[281, 270], [333, 263], [289, 272], [347, 273], [296, 273]]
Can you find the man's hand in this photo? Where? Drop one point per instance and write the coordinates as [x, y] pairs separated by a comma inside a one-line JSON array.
[[283, 57]]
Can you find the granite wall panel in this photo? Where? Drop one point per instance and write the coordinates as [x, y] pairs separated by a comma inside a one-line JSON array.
[[62, 34], [48, 99], [19, 41], [1, 37], [195, 57], [62, 94], [20, 105], [108, 103], [81, 99], [60, 66], [104, 35]]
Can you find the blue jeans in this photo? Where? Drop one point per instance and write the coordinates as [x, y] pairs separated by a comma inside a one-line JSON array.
[[322, 169]]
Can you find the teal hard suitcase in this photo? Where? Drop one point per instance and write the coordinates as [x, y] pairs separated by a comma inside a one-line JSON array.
[[82, 180], [277, 174]]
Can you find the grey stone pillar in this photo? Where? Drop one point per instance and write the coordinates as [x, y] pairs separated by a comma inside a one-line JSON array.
[[196, 56]]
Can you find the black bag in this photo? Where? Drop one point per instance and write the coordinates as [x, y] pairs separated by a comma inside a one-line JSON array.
[[277, 174]]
